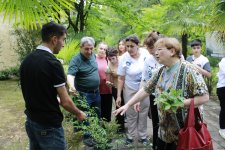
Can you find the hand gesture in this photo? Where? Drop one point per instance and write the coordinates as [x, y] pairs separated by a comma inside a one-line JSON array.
[[73, 91], [121, 110], [109, 84], [137, 107], [81, 116]]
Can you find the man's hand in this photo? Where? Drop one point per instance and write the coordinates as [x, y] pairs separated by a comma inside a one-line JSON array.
[[73, 91], [81, 116]]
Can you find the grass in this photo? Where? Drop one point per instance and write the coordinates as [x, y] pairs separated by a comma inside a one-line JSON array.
[[12, 132]]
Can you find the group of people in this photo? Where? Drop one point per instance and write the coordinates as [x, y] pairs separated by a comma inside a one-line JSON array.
[[131, 74]]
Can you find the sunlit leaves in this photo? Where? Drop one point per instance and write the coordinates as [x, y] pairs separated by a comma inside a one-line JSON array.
[[71, 48], [33, 13]]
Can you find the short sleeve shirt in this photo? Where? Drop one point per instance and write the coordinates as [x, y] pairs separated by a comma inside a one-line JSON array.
[[85, 72], [150, 67], [201, 61], [132, 69], [41, 73]]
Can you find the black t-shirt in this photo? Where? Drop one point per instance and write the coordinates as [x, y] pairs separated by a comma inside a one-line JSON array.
[[40, 74]]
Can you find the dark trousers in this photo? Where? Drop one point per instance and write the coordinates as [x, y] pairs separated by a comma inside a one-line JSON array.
[[221, 96], [161, 145], [155, 120], [106, 106], [119, 118], [42, 137]]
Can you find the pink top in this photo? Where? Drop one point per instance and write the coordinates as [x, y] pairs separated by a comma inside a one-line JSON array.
[[102, 66]]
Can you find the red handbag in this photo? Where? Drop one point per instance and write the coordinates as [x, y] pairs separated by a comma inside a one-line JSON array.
[[194, 135]]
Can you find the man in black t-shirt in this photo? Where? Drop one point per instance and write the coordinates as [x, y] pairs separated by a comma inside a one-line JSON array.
[[42, 79]]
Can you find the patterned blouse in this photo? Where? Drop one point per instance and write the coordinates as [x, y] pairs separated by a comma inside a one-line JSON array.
[[183, 75]]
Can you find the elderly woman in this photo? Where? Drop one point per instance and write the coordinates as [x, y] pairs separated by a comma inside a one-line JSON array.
[[130, 73], [105, 91], [175, 74]]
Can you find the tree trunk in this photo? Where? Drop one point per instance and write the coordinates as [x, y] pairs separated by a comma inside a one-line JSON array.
[[81, 6], [184, 39]]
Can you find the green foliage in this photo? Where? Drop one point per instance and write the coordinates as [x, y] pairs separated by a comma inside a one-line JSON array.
[[214, 61], [27, 41], [170, 100], [31, 13], [71, 48], [217, 22], [214, 71], [101, 131], [9, 73]]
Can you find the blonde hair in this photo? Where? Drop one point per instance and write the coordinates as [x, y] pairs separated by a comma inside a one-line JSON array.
[[170, 43]]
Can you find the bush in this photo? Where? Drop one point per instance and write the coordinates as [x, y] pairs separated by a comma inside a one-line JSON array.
[[214, 61], [9, 73], [101, 131], [27, 41]]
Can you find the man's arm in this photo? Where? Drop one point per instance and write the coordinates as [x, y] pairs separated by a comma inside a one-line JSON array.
[[70, 82], [67, 103]]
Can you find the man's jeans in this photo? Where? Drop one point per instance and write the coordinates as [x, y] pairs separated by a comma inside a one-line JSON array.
[[44, 138]]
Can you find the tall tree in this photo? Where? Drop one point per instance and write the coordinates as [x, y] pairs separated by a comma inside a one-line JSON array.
[[181, 18], [81, 11]]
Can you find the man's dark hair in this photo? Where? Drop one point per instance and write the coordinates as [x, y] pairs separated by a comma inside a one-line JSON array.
[[133, 38], [52, 29], [196, 42]]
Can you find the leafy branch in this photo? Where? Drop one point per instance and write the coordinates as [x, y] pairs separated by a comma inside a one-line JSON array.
[[101, 131], [171, 100]]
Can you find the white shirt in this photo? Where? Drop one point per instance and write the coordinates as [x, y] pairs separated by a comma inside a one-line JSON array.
[[132, 69], [151, 65], [201, 61], [44, 48], [221, 74]]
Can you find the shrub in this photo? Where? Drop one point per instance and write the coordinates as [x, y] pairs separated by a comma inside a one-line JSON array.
[[27, 41], [214, 61], [101, 131], [9, 73]]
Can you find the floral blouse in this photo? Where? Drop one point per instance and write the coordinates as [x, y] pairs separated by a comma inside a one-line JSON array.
[[183, 75]]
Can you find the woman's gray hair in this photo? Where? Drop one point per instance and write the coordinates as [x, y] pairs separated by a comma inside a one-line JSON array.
[[87, 39]]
